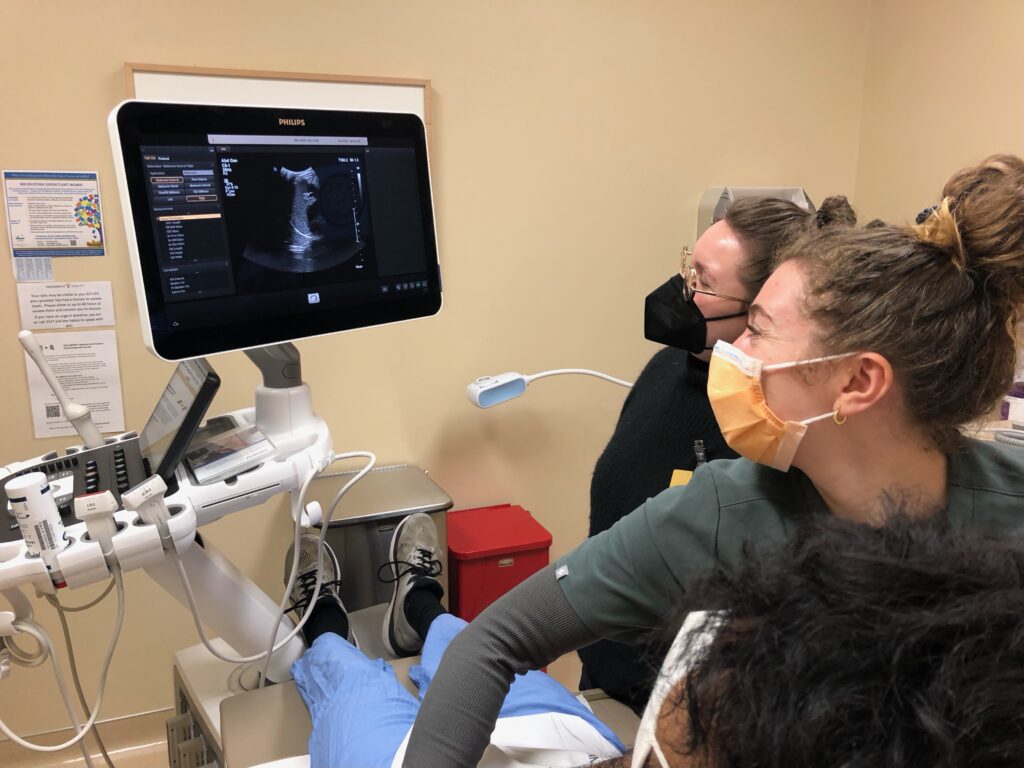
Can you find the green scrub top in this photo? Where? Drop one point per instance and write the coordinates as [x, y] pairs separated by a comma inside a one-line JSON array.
[[629, 579]]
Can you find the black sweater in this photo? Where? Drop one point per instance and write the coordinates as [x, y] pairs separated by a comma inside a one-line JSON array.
[[666, 410]]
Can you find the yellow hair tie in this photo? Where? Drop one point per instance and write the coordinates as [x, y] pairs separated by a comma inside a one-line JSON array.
[[941, 231]]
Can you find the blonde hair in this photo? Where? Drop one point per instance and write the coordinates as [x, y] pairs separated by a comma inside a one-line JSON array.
[[940, 300]]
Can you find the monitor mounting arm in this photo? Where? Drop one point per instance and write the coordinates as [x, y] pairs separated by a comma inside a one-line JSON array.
[[280, 365], [284, 403]]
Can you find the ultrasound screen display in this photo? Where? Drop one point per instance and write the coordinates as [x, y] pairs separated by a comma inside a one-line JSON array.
[[254, 229]]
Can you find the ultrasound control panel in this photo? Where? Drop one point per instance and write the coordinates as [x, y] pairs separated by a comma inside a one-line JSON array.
[[115, 467]]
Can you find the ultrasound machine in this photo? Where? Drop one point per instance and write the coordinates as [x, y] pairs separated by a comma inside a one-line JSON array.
[[247, 228]]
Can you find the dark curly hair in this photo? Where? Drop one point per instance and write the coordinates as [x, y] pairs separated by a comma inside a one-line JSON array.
[[860, 647]]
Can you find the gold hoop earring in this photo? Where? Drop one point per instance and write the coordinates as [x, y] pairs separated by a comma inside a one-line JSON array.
[[836, 418]]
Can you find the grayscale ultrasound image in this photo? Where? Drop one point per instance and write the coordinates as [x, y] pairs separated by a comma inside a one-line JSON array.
[[315, 220]]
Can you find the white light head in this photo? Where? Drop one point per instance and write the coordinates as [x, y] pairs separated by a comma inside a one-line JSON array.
[[491, 390]]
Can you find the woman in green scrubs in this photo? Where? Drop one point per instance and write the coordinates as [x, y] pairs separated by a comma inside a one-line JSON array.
[[865, 354]]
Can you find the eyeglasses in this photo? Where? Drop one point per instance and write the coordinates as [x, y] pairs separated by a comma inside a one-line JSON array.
[[690, 281]]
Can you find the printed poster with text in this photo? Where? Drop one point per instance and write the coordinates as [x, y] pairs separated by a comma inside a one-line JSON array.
[[85, 364], [51, 213]]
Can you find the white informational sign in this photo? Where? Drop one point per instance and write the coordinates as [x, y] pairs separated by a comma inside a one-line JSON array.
[[65, 305], [85, 363], [53, 213]]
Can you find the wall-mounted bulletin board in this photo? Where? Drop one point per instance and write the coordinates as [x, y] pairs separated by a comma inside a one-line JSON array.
[[161, 82]]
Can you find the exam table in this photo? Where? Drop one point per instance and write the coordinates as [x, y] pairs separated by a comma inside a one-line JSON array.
[[273, 723]]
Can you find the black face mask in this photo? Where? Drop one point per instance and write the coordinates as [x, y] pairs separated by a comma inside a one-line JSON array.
[[672, 320]]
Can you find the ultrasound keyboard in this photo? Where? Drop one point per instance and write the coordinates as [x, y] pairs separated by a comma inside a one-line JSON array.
[[114, 467]]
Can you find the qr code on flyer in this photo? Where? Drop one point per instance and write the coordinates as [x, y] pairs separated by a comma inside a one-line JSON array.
[[52, 411]]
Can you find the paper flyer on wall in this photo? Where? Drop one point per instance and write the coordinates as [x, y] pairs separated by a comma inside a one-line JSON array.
[[33, 269], [65, 305], [85, 363], [53, 213]]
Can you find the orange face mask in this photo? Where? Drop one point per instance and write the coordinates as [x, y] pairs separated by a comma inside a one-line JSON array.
[[748, 425]]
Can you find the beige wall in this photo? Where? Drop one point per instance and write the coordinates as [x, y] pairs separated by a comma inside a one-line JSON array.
[[571, 143], [943, 88]]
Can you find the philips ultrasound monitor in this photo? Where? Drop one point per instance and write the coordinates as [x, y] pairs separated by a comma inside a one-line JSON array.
[[250, 226]]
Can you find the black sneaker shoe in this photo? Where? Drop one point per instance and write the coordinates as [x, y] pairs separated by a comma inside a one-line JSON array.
[[305, 580], [413, 565]]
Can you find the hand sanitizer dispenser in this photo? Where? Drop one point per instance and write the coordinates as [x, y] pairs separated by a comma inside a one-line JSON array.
[[716, 201]]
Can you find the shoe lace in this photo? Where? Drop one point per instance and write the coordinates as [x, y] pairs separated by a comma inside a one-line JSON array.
[[306, 582], [423, 563]]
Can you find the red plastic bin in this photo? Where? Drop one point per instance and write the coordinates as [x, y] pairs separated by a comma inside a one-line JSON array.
[[490, 550]]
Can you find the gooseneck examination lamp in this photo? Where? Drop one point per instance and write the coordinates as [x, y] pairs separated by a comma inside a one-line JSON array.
[[492, 390]]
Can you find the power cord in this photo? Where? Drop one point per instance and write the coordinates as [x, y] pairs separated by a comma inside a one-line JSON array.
[[56, 603], [54, 600]]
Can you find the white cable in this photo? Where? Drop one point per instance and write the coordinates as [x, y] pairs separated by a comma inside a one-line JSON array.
[[76, 722], [190, 596], [298, 504], [324, 525], [32, 628], [21, 605], [62, 612], [29, 627], [22, 610], [583, 371], [23, 658]]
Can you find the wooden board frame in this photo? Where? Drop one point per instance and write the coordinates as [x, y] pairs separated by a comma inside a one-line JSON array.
[[132, 68]]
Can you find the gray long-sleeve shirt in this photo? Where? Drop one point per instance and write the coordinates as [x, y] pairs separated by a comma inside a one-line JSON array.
[[628, 580], [526, 629]]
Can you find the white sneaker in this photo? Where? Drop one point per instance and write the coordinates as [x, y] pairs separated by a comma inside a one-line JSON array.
[[305, 580], [413, 564]]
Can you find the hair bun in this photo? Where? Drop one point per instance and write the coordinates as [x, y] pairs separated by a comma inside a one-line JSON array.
[[835, 210], [987, 204]]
